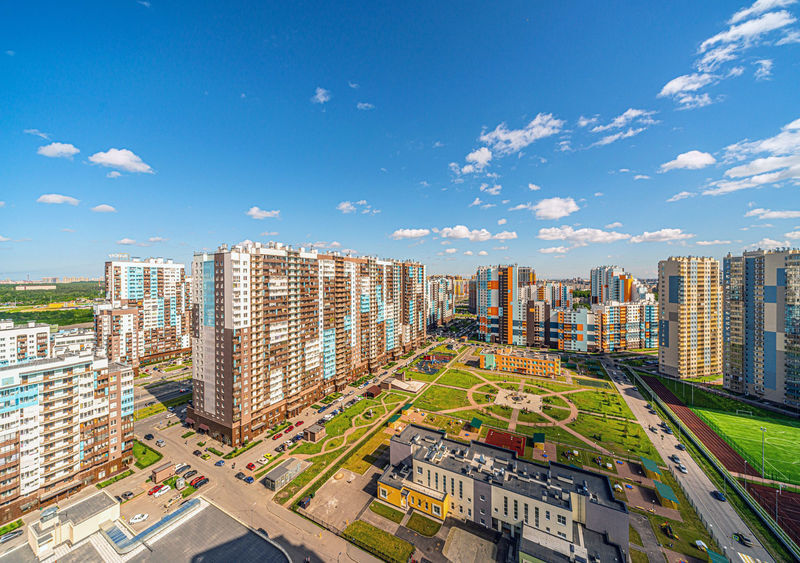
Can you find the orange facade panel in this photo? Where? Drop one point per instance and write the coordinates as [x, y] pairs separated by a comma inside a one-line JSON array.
[[493, 312], [494, 284]]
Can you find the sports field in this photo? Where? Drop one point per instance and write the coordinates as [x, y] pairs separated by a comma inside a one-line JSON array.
[[744, 434]]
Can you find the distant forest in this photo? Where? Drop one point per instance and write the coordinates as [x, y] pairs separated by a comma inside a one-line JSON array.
[[63, 292]]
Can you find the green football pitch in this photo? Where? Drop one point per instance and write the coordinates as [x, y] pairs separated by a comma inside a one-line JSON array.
[[781, 441]]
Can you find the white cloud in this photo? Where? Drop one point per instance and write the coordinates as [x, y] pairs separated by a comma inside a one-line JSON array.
[[499, 248], [364, 106], [711, 242], [764, 70], [475, 202], [751, 29], [57, 199], [534, 187], [270, 234], [768, 243], [321, 95], [598, 194], [504, 141], [641, 177], [692, 160], [554, 250], [157, 239], [325, 244], [555, 208], [691, 101], [126, 241], [38, 133], [608, 139], [614, 225], [451, 250], [478, 160], [104, 208], [58, 150], [686, 83], [680, 195], [463, 232], [791, 37], [353, 85], [346, 207], [257, 213], [360, 206], [410, 233], [499, 221], [765, 214], [467, 252], [505, 235], [123, 159], [586, 121], [113, 174], [491, 190], [4, 239], [759, 7], [794, 235], [488, 205], [67, 230], [663, 235], [581, 237], [631, 115], [712, 59], [483, 253]]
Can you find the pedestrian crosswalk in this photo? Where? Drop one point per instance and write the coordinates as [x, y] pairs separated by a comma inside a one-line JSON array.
[[748, 559]]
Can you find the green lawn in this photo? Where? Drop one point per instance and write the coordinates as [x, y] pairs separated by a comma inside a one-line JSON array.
[[458, 378], [11, 527], [555, 386], [239, 451], [114, 479], [534, 390], [622, 437], [365, 456], [341, 422], [500, 377], [488, 420], [441, 398], [423, 525], [318, 465], [744, 434], [558, 414], [378, 542], [531, 417], [555, 401], [188, 434], [601, 403], [386, 511], [145, 455]]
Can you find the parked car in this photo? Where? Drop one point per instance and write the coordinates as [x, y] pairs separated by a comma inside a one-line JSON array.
[[190, 474], [182, 468], [10, 536], [682, 469], [277, 436], [280, 448], [160, 443], [675, 458], [741, 538], [154, 490], [197, 453], [150, 403], [127, 495], [240, 475], [196, 480], [162, 491], [170, 414], [183, 390], [200, 483], [680, 447], [250, 466], [148, 436], [299, 423], [249, 480], [291, 427], [718, 495], [668, 430], [220, 463], [138, 518]]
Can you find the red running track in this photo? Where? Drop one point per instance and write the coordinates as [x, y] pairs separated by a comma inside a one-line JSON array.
[[788, 507], [719, 447]]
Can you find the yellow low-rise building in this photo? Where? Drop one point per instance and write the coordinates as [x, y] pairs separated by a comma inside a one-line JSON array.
[[522, 361], [398, 489]]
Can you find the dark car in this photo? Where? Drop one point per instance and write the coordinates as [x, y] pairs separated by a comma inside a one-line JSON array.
[[150, 403], [148, 436], [718, 495], [240, 475], [249, 480], [280, 448], [743, 539], [197, 452], [190, 474], [680, 447], [200, 483], [127, 495], [182, 468]]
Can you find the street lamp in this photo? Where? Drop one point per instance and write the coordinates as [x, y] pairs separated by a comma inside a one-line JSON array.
[[763, 433]]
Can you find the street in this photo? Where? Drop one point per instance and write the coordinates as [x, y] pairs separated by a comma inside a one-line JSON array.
[[721, 516]]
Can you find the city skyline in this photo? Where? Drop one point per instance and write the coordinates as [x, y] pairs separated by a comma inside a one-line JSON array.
[[277, 128]]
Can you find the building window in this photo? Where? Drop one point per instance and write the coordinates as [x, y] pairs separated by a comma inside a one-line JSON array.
[[436, 479], [547, 515], [483, 512], [419, 470], [384, 493], [483, 522], [562, 520], [505, 506], [469, 512], [436, 510], [536, 516], [483, 498], [562, 535], [516, 510], [461, 489]]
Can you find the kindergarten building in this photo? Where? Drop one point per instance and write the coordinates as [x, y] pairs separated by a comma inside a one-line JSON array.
[[522, 361], [559, 509]]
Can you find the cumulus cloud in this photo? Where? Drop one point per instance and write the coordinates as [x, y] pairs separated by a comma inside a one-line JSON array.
[[58, 150], [157, 239], [346, 207], [504, 141], [582, 236], [410, 233], [692, 160], [711, 242], [555, 208], [463, 232], [554, 250], [505, 235], [614, 225], [586, 121], [768, 244], [686, 83], [57, 199], [663, 235], [321, 96], [361, 206], [104, 208], [467, 252], [478, 160], [764, 70], [499, 221], [126, 241], [475, 202], [113, 174], [794, 235], [257, 213], [765, 214], [364, 106], [483, 253], [534, 187], [451, 250], [491, 190], [681, 195], [122, 159], [269, 234]]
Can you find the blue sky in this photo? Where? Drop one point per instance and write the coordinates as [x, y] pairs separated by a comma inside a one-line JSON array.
[[560, 136]]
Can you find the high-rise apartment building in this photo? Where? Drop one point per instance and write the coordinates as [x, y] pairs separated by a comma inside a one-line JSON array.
[[67, 422], [501, 310], [626, 326], [614, 284], [555, 294], [472, 295], [760, 321], [147, 314], [23, 343], [276, 328], [690, 317], [460, 287], [440, 299]]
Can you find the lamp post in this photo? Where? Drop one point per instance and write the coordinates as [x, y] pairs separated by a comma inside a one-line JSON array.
[[763, 433]]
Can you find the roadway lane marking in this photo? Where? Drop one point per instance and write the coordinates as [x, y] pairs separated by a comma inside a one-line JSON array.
[[748, 559]]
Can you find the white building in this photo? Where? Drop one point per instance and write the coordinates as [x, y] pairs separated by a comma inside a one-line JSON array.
[[23, 343]]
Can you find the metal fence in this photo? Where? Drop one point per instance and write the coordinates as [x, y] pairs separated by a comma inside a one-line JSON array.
[[733, 483]]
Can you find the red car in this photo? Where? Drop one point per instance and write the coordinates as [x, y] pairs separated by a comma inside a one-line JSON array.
[[291, 427], [251, 466], [299, 423], [154, 490], [278, 435], [196, 480]]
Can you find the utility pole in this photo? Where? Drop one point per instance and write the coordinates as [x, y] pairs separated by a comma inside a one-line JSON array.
[[763, 431]]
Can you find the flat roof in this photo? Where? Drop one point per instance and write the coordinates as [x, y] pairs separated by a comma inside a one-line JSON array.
[[476, 422], [85, 551], [22, 554], [85, 509], [282, 469], [664, 491], [315, 428]]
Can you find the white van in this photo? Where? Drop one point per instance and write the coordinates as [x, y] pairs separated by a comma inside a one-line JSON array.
[[163, 490]]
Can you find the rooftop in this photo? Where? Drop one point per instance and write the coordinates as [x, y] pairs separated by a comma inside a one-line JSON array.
[[85, 509]]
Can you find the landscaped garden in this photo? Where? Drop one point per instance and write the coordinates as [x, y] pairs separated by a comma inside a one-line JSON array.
[[379, 542], [456, 378], [423, 525], [386, 511], [145, 455], [602, 403], [441, 398]]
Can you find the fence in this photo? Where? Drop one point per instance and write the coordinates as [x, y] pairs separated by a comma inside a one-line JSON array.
[[734, 484]]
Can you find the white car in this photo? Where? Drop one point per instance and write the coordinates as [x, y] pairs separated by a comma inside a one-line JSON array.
[[138, 518], [163, 490], [682, 469]]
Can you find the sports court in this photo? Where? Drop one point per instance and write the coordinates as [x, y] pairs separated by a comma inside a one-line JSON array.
[[506, 440]]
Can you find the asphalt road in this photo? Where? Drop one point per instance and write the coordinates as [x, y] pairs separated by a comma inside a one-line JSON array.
[[720, 515], [164, 392]]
